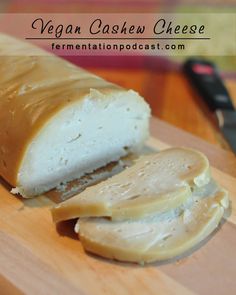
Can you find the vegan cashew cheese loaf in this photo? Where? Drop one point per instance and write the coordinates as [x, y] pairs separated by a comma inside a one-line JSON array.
[[59, 122]]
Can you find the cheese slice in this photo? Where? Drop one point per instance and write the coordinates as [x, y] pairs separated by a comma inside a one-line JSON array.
[[156, 182], [157, 237]]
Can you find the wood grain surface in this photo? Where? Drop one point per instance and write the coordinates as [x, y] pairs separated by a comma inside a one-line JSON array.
[[38, 257]]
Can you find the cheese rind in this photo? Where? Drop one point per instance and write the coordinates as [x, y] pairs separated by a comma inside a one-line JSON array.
[[156, 182], [157, 237]]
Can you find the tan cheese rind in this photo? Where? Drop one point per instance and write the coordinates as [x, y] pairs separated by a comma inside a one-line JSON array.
[[156, 182], [159, 237]]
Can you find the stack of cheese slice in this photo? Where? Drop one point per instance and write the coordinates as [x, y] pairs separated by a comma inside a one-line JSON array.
[[163, 205]]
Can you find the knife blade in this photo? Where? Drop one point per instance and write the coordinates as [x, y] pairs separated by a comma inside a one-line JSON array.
[[206, 79]]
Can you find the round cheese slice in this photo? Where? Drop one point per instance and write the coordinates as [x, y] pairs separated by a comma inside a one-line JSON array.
[[157, 237], [156, 182]]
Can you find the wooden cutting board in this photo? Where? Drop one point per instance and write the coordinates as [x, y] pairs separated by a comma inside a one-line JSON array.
[[36, 257]]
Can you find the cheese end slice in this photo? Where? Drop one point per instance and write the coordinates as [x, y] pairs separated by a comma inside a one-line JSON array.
[[156, 182]]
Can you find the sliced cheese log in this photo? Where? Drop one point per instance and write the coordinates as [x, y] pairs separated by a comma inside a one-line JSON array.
[[59, 122], [158, 237], [156, 182]]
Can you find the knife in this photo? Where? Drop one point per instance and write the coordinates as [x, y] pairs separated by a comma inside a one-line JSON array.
[[205, 77]]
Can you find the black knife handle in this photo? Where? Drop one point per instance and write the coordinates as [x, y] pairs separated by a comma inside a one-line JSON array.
[[205, 77]]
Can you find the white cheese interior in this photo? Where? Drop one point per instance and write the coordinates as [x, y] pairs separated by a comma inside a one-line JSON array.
[[82, 137]]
